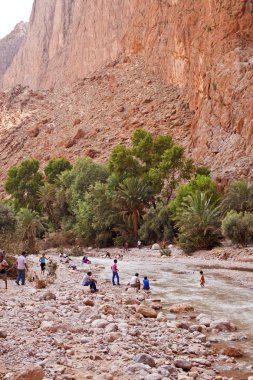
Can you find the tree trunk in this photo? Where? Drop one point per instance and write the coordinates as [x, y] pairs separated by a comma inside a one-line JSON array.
[[135, 223]]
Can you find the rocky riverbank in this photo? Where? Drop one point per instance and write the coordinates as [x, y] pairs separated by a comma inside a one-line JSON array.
[[64, 332]]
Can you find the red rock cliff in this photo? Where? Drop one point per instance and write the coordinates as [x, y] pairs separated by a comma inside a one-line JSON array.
[[205, 47]]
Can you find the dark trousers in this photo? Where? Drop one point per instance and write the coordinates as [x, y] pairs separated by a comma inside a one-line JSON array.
[[21, 276]]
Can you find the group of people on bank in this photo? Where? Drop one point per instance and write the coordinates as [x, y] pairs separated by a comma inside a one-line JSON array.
[[134, 282]]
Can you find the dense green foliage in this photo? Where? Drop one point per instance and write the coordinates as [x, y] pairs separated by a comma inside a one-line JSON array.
[[198, 222], [238, 227], [23, 182], [238, 197], [148, 191], [55, 167], [7, 219], [157, 225]]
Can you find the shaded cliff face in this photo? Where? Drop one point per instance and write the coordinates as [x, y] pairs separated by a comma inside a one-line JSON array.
[[9, 46], [67, 39], [203, 47]]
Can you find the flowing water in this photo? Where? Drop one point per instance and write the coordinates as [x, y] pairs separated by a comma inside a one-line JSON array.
[[177, 282]]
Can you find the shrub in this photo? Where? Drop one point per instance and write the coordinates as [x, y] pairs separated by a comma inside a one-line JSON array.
[[198, 222], [238, 197], [238, 227], [76, 251], [165, 252]]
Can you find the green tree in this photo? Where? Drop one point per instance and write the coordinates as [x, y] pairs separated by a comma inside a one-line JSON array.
[[7, 219], [157, 225], [238, 227], [23, 182], [132, 196], [77, 181], [171, 171], [238, 196], [55, 167], [198, 223], [30, 225], [123, 163], [47, 198], [198, 184], [96, 216]]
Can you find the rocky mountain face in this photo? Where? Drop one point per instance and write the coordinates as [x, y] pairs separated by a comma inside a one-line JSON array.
[[9, 46], [91, 116], [202, 50]]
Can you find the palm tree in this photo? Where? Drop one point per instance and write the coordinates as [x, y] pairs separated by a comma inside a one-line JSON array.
[[46, 195], [198, 221], [30, 224], [131, 198], [239, 197]]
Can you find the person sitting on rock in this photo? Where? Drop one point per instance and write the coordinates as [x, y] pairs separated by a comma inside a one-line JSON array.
[[88, 280], [3, 269], [146, 283], [86, 260], [135, 281]]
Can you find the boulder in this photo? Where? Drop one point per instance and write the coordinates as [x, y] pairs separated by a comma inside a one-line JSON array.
[[232, 352], [223, 325], [181, 308], [145, 359], [146, 311], [48, 296], [99, 323], [88, 302], [3, 334], [30, 373], [156, 247], [183, 363]]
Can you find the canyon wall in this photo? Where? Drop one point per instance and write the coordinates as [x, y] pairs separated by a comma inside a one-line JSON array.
[[204, 47], [67, 39], [9, 46]]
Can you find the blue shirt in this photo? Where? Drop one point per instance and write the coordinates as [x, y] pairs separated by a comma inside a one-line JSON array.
[[146, 284]]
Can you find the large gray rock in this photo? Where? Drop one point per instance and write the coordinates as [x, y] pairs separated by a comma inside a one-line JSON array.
[[145, 359], [183, 363]]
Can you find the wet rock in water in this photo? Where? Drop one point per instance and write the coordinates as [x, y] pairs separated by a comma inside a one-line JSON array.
[[146, 311], [31, 373], [223, 325], [183, 364], [233, 352], [48, 296], [88, 302], [204, 320], [145, 359], [3, 334], [155, 246], [181, 308]]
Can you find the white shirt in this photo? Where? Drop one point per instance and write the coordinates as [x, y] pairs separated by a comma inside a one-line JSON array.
[[134, 280], [21, 262]]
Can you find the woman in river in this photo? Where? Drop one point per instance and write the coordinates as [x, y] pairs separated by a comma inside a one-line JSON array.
[[85, 260]]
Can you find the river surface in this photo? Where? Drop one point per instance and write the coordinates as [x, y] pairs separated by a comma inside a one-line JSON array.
[[175, 282]]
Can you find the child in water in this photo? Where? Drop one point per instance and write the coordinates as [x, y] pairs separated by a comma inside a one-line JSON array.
[[202, 279], [146, 283]]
